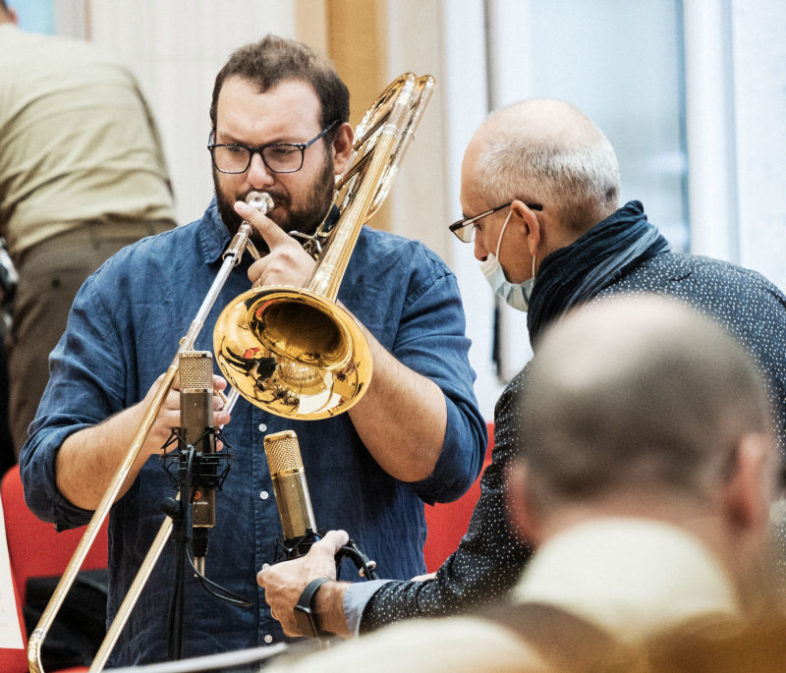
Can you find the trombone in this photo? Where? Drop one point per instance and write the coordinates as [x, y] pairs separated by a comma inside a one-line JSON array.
[[239, 244], [310, 359], [299, 380]]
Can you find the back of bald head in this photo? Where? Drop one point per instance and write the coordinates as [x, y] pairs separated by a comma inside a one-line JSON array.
[[637, 393], [547, 151]]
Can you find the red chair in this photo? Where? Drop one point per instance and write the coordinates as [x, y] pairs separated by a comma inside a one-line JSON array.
[[448, 521], [36, 549]]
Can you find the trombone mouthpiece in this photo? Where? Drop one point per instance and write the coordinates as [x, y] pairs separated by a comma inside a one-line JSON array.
[[262, 201]]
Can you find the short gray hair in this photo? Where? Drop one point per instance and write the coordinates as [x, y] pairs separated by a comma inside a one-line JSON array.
[[637, 392], [548, 151]]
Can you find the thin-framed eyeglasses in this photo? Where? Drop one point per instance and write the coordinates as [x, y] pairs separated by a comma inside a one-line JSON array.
[[465, 227], [278, 157]]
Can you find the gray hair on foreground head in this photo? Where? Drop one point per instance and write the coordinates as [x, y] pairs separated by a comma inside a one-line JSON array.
[[548, 151], [636, 392]]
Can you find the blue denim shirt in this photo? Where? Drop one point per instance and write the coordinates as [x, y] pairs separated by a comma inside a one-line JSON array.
[[123, 332]]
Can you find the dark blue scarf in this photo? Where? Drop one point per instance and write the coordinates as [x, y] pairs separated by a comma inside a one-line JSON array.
[[577, 272]]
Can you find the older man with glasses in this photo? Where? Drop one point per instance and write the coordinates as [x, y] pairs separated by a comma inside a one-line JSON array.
[[279, 125], [539, 187]]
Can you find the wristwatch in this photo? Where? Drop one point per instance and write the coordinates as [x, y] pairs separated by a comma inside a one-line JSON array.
[[304, 610]]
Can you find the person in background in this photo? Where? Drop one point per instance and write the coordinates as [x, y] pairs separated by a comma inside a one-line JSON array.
[[645, 471], [278, 125], [540, 191], [82, 174], [8, 281]]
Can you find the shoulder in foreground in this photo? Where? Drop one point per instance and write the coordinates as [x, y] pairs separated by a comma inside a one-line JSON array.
[[450, 645]]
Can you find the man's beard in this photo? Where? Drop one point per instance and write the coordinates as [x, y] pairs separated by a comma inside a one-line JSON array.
[[305, 218]]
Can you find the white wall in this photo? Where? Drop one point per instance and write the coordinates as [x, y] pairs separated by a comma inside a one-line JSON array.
[[711, 129], [759, 58], [466, 92], [175, 48], [736, 120], [735, 95]]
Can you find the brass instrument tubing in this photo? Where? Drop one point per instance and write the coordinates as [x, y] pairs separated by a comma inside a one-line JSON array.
[[35, 643], [232, 255], [69, 575], [124, 612]]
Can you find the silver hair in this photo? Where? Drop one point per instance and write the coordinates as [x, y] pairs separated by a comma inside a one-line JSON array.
[[576, 173], [637, 391]]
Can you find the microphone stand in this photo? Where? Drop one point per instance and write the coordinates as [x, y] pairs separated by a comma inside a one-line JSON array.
[[239, 243], [196, 471], [179, 510]]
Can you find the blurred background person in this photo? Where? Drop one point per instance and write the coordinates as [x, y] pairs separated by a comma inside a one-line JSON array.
[[82, 174], [8, 280], [645, 471]]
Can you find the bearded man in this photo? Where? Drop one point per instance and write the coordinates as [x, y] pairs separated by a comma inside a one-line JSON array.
[[279, 125]]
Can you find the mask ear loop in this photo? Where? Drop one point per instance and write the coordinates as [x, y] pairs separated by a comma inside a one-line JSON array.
[[499, 240], [534, 257]]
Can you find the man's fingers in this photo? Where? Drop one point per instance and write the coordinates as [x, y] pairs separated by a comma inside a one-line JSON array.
[[219, 383], [268, 230], [333, 541]]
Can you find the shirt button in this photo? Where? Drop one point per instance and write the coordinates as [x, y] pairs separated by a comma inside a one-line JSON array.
[[268, 639], [265, 566], [264, 495], [262, 427]]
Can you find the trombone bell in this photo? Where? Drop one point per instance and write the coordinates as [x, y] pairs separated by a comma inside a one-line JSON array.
[[291, 353]]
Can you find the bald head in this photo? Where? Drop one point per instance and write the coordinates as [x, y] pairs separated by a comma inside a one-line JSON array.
[[637, 392], [546, 151]]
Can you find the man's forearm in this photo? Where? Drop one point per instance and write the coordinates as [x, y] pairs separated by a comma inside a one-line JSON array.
[[88, 460], [399, 398], [329, 608]]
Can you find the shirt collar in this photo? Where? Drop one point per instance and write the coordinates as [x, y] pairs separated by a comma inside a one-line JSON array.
[[606, 570], [213, 235]]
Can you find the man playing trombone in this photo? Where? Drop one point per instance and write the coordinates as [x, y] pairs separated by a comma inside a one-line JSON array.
[[279, 125]]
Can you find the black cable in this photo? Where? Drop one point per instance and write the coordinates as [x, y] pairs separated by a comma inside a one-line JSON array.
[[216, 590], [182, 526]]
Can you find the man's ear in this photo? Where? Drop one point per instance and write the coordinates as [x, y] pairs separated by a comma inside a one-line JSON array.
[[523, 518], [342, 147], [749, 491], [530, 224]]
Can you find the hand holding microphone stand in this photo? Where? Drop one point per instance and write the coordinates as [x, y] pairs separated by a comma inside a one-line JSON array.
[[298, 523]]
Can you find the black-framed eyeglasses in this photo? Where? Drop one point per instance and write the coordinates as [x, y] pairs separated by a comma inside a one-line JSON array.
[[278, 157], [465, 227]]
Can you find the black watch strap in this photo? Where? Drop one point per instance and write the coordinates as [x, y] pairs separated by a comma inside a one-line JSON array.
[[304, 611]]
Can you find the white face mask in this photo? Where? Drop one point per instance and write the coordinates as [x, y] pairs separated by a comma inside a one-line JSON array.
[[515, 295]]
